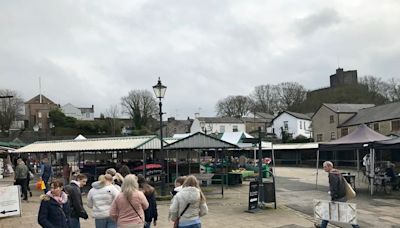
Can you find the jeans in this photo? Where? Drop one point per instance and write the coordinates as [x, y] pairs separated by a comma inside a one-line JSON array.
[[105, 223], [46, 184], [148, 225], [324, 224], [198, 225], [74, 223]]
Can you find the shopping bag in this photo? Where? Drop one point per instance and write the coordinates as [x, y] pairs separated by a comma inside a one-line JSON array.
[[42, 186], [350, 193], [38, 185]]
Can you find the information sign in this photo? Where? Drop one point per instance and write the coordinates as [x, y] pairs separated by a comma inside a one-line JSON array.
[[335, 211], [253, 195], [10, 202]]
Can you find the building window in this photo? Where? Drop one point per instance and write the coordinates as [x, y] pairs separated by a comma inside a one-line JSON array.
[[301, 126], [333, 136], [221, 129], [304, 125], [376, 126], [319, 137], [331, 119], [87, 115], [285, 125], [396, 125], [235, 128], [344, 131], [39, 115]]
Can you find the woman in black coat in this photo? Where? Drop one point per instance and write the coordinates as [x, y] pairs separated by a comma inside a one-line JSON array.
[[54, 208], [151, 213]]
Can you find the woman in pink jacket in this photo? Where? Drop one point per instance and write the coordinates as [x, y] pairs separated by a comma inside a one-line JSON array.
[[128, 208]]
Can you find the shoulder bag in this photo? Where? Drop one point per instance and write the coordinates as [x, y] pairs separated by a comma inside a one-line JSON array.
[[144, 222], [350, 193], [176, 223]]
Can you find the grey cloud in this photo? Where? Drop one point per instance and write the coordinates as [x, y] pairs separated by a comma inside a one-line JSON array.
[[320, 20]]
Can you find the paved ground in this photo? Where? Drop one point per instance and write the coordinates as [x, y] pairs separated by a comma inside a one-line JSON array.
[[296, 191]]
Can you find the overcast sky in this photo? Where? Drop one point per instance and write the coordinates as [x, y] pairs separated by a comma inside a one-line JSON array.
[[95, 52]]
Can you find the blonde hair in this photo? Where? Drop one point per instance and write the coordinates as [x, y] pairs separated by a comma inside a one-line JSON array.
[[180, 180], [191, 181], [104, 178], [130, 186], [111, 171]]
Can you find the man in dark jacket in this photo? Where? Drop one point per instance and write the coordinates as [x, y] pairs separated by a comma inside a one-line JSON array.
[[337, 189], [21, 173], [75, 198], [46, 173]]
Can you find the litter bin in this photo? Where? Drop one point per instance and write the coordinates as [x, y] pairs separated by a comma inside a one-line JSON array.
[[268, 190]]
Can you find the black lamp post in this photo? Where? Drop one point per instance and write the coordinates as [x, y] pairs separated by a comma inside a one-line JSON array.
[[159, 91]]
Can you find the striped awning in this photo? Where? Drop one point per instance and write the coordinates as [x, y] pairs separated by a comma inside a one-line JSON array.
[[98, 144]]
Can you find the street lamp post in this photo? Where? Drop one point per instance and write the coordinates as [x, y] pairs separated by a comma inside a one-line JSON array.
[[159, 91]]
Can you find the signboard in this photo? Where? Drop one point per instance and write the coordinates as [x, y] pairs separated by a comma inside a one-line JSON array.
[[335, 211], [1, 168], [10, 203], [253, 195]]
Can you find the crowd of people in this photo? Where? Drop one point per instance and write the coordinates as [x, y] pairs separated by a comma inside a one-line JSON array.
[[116, 200]]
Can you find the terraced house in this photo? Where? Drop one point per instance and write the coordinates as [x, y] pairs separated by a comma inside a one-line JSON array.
[[384, 119]]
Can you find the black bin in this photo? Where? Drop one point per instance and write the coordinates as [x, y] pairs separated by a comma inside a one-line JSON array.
[[269, 192]]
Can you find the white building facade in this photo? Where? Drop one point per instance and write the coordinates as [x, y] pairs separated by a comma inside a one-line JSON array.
[[295, 124], [217, 125], [78, 113]]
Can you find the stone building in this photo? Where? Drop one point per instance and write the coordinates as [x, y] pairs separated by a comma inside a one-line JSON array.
[[37, 112], [343, 78]]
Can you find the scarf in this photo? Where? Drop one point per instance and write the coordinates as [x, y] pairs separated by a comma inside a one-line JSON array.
[[60, 199]]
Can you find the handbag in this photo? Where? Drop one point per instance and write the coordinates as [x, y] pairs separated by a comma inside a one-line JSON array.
[[144, 222], [176, 222], [350, 193]]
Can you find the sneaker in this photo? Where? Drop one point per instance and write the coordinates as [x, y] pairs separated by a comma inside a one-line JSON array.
[[30, 194]]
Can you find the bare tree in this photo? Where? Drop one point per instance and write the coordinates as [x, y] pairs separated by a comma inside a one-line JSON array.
[[394, 90], [112, 113], [234, 106], [264, 98], [9, 108], [290, 94], [141, 106], [376, 85]]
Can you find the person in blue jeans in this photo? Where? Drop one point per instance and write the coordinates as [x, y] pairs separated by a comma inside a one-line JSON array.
[[46, 173], [337, 188]]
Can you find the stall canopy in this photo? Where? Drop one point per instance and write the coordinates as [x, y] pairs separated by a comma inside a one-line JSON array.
[[362, 137], [355, 140], [98, 144], [388, 144], [199, 140]]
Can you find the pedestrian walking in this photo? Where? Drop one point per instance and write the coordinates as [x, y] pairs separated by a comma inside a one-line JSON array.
[[151, 213], [178, 184], [124, 170], [337, 188], [54, 208], [21, 174], [100, 198], [117, 177], [75, 199], [128, 208], [46, 173], [188, 205], [66, 173], [29, 176]]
